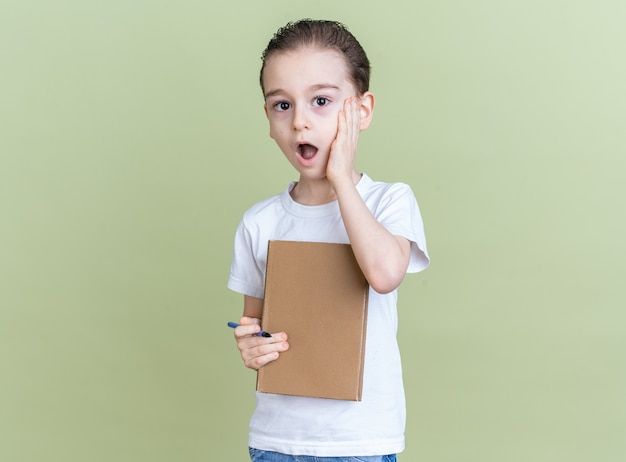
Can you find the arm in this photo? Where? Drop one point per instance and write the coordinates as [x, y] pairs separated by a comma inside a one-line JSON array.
[[382, 256], [257, 351]]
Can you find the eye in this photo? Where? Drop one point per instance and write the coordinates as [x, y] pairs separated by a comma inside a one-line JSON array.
[[282, 106], [321, 101]]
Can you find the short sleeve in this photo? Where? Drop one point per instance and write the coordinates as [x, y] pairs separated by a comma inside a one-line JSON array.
[[398, 211], [246, 276]]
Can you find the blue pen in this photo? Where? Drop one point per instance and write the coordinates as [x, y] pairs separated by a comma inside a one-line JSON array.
[[261, 333]]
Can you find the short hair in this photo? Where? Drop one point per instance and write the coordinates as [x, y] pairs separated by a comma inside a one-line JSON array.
[[324, 34]]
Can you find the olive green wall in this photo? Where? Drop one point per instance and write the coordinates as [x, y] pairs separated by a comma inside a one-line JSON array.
[[132, 138]]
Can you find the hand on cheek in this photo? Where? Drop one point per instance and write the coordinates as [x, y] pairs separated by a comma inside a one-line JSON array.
[[343, 150]]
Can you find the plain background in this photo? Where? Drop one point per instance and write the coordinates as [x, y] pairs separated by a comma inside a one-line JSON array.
[[132, 139]]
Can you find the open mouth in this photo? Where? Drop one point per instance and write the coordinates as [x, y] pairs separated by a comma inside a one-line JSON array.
[[306, 151]]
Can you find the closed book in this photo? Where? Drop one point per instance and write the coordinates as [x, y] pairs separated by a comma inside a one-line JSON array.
[[317, 294]]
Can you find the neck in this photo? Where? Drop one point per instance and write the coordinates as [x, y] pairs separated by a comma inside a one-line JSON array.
[[316, 192]]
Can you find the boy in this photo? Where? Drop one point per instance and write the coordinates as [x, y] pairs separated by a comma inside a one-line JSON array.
[[315, 81]]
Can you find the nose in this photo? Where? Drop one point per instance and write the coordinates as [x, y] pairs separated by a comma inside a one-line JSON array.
[[300, 119]]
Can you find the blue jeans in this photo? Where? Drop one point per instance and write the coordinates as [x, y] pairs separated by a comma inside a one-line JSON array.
[[256, 455]]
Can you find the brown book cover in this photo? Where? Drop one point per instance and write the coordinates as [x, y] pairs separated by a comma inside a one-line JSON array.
[[317, 294]]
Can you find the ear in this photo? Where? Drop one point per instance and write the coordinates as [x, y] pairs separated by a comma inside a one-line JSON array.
[[367, 102]]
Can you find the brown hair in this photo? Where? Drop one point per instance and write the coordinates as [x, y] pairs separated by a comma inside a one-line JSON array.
[[325, 34]]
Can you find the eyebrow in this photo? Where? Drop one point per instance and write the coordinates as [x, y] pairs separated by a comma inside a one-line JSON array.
[[316, 87]]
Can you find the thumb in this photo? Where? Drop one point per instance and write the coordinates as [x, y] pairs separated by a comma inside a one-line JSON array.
[[246, 321]]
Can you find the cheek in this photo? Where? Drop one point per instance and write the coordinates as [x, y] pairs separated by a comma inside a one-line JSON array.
[[332, 124], [335, 118], [273, 131], [277, 129]]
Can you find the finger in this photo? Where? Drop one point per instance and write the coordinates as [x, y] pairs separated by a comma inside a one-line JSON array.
[[250, 330], [341, 124], [264, 348], [260, 361], [343, 137], [261, 354], [248, 326], [244, 321], [347, 123], [253, 345], [357, 117], [349, 111]]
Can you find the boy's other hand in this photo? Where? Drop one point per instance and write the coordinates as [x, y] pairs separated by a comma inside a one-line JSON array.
[[257, 351], [343, 150]]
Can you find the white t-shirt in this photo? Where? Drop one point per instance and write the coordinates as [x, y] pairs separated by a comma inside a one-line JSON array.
[[326, 427]]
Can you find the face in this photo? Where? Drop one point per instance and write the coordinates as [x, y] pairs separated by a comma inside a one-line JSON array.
[[304, 91]]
